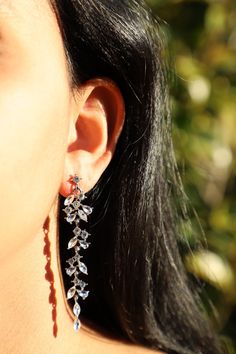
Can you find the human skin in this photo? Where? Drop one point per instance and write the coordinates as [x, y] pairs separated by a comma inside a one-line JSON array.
[[47, 133]]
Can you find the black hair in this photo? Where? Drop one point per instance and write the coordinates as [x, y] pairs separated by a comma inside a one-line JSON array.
[[138, 285]]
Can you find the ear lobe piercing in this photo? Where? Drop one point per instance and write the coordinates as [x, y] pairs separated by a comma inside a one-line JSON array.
[[76, 211]]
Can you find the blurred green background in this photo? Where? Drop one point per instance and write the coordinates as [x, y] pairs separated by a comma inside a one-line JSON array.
[[202, 39]]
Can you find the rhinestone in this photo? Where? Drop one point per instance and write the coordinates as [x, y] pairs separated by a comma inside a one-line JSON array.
[[87, 209], [76, 204], [71, 292], [70, 271], [83, 268], [68, 210], [82, 284], [75, 281], [83, 293], [76, 179], [76, 309], [77, 230], [77, 324], [71, 261], [82, 215], [84, 244], [72, 242], [70, 218], [69, 199], [84, 234]]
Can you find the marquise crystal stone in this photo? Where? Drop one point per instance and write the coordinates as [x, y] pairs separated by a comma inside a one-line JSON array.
[[71, 292], [72, 242], [76, 309], [77, 324], [70, 271], [82, 215], [69, 199], [83, 268]]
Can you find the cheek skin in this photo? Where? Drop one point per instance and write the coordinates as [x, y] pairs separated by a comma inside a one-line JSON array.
[[34, 112]]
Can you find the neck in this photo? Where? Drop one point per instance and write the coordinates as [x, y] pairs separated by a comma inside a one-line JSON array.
[[34, 316], [33, 311]]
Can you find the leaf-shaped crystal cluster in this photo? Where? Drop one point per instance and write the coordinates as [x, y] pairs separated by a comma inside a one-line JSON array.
[[75, 212]]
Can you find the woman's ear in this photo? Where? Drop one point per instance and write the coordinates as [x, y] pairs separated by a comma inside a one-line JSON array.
[[96, 122]]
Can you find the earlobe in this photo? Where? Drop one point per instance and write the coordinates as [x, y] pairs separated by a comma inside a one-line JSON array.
[[95, 127]]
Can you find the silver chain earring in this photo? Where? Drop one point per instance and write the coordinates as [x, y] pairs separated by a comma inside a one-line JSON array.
[[76, 211]]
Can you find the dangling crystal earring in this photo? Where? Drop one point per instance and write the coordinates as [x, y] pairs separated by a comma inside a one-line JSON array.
[[75, 211]]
